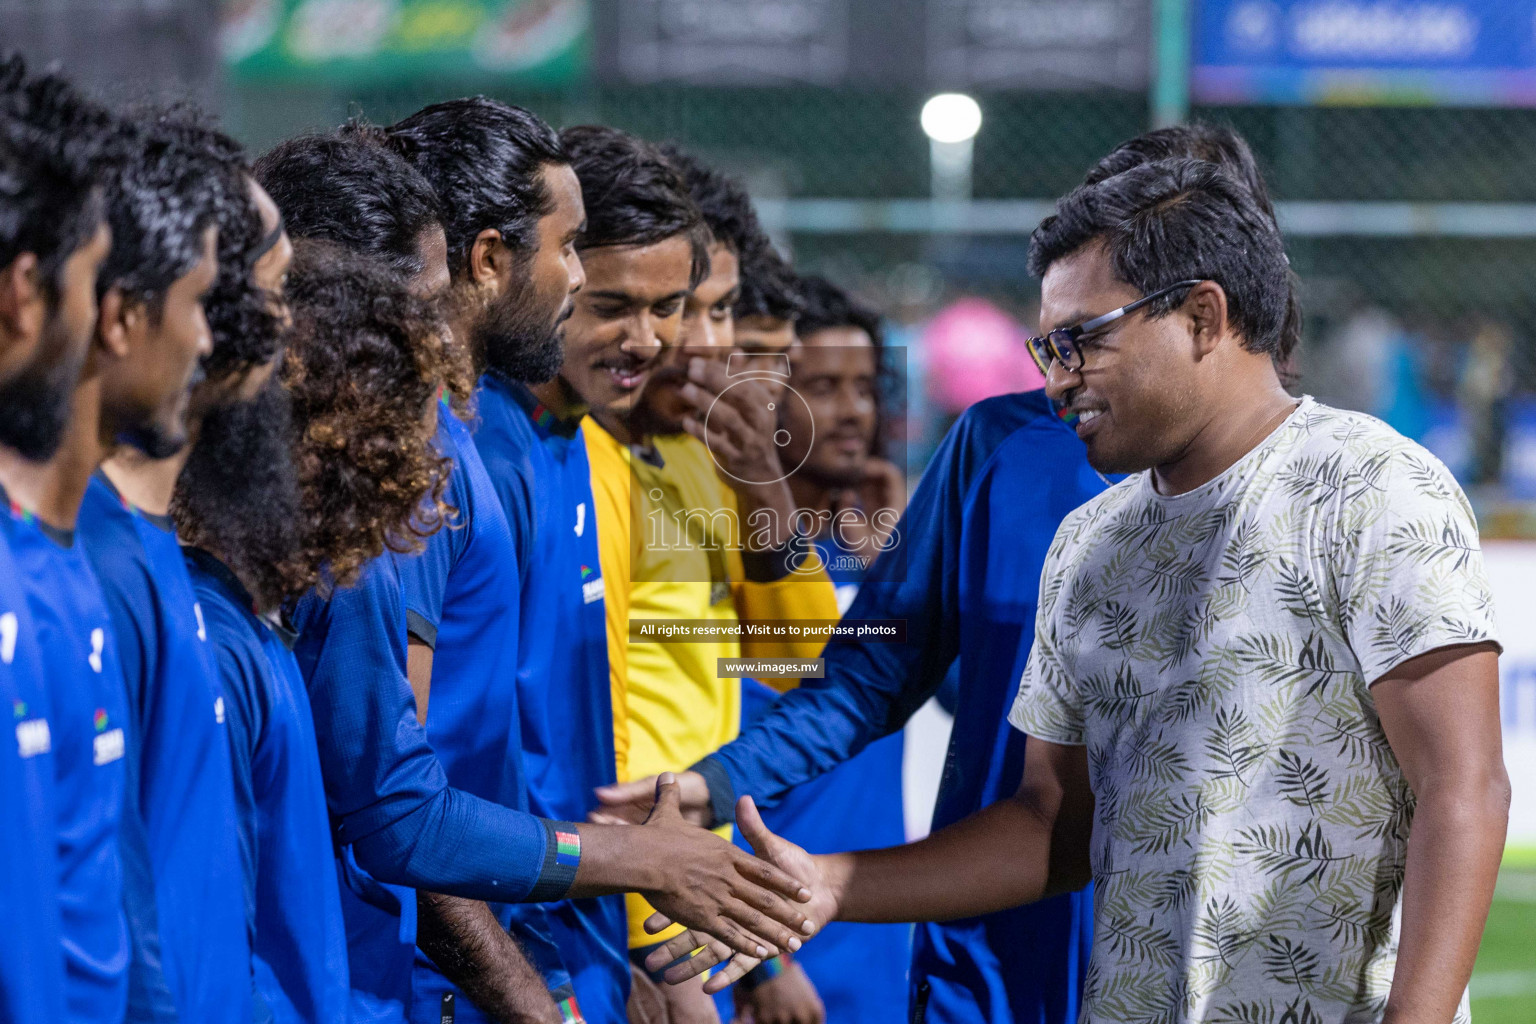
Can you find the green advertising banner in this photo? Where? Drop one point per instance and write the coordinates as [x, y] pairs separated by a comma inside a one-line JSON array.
[[379, 42]]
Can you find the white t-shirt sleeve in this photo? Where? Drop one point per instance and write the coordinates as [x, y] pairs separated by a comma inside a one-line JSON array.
[[1048, 704], [1407, 564]]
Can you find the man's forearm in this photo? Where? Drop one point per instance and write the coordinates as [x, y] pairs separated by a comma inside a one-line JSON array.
[[1454, 848], [615, 859], [1003, 856], [472, 950]]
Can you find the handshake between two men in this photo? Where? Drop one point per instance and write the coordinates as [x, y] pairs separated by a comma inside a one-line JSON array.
[[739, 910]]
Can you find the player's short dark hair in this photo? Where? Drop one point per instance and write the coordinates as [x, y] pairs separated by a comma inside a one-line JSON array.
[[826, 306], [159, 202], [50, 200], [348, 187], [484, 158], [723, 201], [1224, 147], [768, 287], [1171, 220], [633, 195], [245, 327]]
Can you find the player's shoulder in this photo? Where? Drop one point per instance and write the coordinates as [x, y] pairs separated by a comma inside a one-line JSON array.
[[109, 536], [226, 606], [502, 427], [988, 430], [993, 420]]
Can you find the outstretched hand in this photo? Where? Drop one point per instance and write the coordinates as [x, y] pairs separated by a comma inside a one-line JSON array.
[[630, 803], [735, 901], [783, 855]]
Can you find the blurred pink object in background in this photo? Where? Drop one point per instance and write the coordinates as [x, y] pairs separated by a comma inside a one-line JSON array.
[[973, 350]]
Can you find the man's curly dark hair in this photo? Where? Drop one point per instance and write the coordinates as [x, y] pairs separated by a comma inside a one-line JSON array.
[[159, 202], [351, 188], [246, 322], [366, 361]]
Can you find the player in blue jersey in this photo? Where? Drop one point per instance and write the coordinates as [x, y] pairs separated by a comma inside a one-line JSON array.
[[319, 510], [967, 577], [180, 786], [53, 238], [149, 335], [403, 824], [564, 719], [492, 167]]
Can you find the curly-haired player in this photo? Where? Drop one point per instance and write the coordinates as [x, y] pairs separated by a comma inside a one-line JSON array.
[[353, 410]]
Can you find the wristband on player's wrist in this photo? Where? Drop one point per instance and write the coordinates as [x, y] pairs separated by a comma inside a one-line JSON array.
[[765, 972], [562, 858], [565, 1002]]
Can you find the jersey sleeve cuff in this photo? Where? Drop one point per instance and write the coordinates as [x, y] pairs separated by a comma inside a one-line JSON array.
[[417, 626], [722, 792], [562, 856]]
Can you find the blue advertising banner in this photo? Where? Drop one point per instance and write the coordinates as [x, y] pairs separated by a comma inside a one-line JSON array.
[[1468, 52]]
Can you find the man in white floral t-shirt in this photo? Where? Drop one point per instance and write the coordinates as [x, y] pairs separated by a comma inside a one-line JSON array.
[[1262, 703]]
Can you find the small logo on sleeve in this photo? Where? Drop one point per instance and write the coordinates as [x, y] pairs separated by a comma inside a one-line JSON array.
[[218, 710], [581, 519], [98, 644]]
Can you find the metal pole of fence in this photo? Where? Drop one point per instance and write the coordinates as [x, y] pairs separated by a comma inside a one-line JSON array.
[[1170, 62]]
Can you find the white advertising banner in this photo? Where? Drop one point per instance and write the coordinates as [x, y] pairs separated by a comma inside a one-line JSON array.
[[1512, 572]]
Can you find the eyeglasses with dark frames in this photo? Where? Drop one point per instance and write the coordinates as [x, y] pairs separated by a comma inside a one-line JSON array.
[[1061, 344]]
